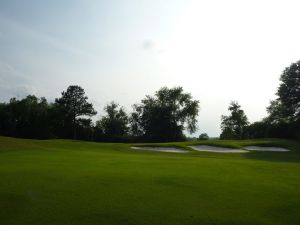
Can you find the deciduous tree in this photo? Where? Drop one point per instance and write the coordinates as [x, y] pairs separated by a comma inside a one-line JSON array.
[[203, 136], [114, 124], [233, 126], [164, 116]]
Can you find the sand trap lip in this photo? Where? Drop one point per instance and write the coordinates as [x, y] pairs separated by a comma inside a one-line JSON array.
[[267, 149], [208, 148], [159, 149]]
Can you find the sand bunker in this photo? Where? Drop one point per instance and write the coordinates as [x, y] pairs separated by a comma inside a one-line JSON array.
[[208, 148], [160, 149], [268, 149]]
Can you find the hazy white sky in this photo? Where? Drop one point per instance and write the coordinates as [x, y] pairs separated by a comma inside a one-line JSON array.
[[122, 50]]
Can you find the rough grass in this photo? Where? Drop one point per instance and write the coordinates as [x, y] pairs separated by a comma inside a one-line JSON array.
[[61, 182]]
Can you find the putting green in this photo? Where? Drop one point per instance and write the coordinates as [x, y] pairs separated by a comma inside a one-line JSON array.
[[62, 182]]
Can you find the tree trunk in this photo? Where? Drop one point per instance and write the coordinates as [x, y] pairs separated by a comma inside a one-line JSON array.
[[74, 128]]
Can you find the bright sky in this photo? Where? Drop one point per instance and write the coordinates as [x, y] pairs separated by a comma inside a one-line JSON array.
[[122, 50]]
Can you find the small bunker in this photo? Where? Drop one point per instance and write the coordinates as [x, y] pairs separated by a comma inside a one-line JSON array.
[[159, 149], [208, 148]]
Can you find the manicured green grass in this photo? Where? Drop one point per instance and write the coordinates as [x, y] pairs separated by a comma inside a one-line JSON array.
[[61, 182]]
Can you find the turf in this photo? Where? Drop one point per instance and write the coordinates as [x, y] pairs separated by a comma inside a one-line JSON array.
[[62, 182]]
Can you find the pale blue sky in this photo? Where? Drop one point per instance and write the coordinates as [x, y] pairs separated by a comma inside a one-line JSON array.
[[122, 50]]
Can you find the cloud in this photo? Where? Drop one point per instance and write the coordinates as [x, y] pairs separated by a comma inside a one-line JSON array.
[[148, 45], [154, 46]]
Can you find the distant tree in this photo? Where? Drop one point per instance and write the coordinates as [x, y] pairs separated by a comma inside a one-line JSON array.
[[98, 134], [114, 124], [4, 119], [277, 112], [233, 126], [203, 136], [258, 129], [26, 118], [72, 105], [164, 116], [85, 129]]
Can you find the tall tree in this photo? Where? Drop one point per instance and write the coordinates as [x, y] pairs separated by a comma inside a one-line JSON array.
[[233, 126], [284, 112], [73, 104], [288, 101], [289, 90], [114, 124], [164, 116]]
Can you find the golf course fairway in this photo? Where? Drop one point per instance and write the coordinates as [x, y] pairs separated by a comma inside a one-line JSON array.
[[65, 182]]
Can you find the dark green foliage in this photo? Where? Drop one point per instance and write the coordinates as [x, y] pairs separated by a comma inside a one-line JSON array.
[[258, 129], [277, 113], [203, 136], [284, 112], [85, 129], [73, 104], [164, 116], [25, 118], [289, 92], [34, 117], [234, 125], [114, 125], [284, 130], [283, 120]]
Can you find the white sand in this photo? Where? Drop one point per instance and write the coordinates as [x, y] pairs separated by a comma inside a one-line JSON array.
[[160, 149], [268, 149], [208, 148]]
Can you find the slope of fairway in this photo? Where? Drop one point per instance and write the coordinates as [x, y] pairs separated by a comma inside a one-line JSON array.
[[62, 182]]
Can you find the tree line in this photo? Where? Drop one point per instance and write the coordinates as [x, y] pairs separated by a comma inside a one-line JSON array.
[[162, 117]]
